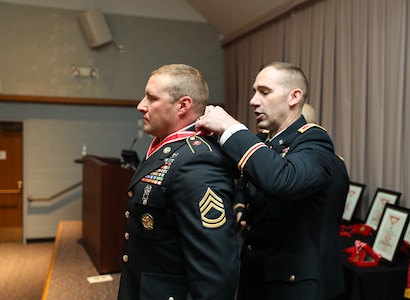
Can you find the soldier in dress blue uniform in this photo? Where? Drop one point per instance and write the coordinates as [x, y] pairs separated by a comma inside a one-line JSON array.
[[330, 248], [180, 237], [287, 173]]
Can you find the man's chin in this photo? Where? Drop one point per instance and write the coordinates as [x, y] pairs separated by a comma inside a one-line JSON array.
[[261, 125], [148, 130]]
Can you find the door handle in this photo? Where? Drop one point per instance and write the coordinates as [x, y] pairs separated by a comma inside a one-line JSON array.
[[15, 191]]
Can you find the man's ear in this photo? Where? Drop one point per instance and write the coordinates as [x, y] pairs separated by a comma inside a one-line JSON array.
[[185, 104], [295, 97]]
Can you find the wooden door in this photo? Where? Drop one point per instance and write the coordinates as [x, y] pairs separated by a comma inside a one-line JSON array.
[[11, 174]]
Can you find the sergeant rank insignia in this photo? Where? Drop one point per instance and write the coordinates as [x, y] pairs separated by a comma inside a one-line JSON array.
[[212, 210]]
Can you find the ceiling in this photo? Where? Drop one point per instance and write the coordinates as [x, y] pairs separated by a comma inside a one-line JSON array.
[[226, 16]]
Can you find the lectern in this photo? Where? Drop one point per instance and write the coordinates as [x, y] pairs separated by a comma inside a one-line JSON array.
[[105, 186]]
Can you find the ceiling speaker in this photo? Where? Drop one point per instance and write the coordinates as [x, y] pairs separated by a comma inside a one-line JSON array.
[[94, 28]]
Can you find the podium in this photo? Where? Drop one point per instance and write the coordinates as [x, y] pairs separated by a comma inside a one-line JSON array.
[[105, 186]]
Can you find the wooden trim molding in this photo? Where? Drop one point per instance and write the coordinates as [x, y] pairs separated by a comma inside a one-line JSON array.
[[67, 100], [74, 101]]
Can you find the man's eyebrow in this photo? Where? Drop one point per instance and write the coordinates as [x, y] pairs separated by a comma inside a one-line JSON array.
[[150, 95], [261, 87]]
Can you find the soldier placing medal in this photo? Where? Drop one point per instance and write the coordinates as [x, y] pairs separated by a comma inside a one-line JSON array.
[[286, 174], [180, 238]]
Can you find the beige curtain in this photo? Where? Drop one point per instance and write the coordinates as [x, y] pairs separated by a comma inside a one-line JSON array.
[[356, 55]]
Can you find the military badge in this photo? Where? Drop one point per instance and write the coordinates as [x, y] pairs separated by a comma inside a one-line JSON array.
[[157, 176], [145, 196], [147, 221], [284, 151], [166, 150], [212, 210], [195, 141]]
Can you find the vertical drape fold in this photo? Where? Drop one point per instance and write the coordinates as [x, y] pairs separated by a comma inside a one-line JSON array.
[[356, 56]]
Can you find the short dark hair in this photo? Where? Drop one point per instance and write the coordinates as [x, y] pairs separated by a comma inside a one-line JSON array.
[[186, 81], [295, 77]]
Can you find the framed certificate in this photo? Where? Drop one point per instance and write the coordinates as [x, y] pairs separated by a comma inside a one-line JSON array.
[[406, 237], [393, 224], [353, 198], [380, 199]]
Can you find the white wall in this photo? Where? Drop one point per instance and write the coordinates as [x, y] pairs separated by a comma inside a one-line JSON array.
[[49, 166], [38, 47]]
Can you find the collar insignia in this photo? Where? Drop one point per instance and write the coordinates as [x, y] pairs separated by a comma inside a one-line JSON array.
[[166, 150]]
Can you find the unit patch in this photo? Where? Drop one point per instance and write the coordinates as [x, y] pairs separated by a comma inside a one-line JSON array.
[[212, 210]]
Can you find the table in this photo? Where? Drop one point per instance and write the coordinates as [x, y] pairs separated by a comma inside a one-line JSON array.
[[383, 282]]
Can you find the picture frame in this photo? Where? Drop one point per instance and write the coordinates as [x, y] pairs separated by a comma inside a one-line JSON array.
[[380, 199], [406, 237], [352, 200], [390, 234]]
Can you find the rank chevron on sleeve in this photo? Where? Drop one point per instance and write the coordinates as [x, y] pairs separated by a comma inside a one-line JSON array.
[[212, 210]]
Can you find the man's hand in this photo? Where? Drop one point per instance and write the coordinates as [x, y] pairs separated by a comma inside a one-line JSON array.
[[215, 120], [240, 222]]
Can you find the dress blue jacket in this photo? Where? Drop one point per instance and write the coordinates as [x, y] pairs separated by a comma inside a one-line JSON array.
[[180, 238], [287, 183]]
